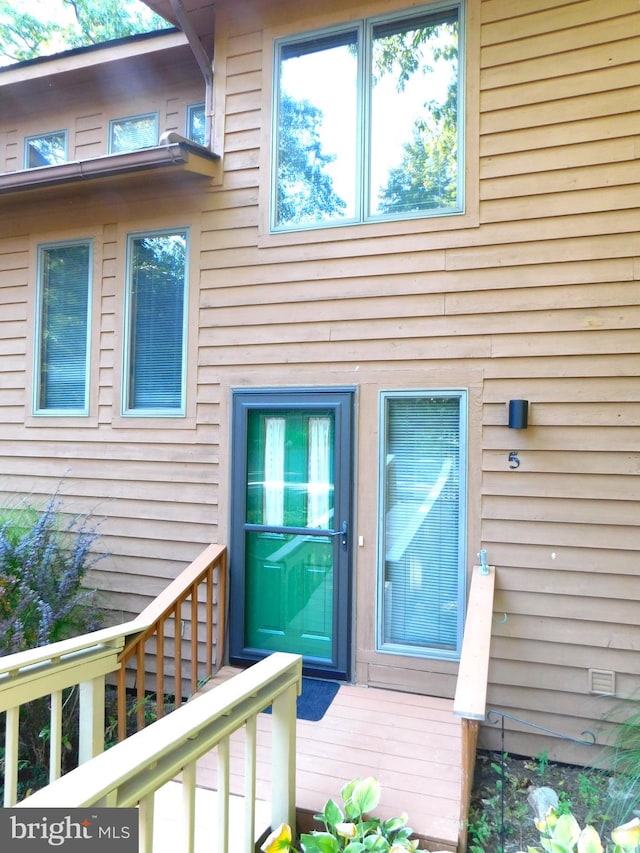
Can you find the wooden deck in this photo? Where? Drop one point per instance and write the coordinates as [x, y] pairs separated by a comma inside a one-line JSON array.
[[410, 743]]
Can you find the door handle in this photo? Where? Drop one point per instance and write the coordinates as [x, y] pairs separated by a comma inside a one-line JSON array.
[[343, 533]]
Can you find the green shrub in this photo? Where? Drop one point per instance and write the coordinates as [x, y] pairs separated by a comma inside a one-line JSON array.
[[351, 829]]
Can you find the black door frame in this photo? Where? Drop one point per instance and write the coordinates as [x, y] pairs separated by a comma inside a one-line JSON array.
[[341, 400]]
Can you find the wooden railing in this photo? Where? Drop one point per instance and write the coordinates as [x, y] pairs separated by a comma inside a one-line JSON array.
[[473, 676], [86, 661], [47, 671], [194, 591], [130, 773]]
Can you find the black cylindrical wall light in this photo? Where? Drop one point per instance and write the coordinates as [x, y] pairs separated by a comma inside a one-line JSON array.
[[518, 414]]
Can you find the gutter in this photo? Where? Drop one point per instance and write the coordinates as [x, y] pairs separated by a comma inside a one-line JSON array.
[[204, 63], [174, 152]]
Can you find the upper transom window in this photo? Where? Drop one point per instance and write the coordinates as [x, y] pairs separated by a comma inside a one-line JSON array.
[[46, 149], [368, 121], [130, 134]]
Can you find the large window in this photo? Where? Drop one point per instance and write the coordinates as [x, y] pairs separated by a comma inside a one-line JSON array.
[[156, 326], [46, 149], [368, 121], [62, 329], [130, 134], [422, 542]]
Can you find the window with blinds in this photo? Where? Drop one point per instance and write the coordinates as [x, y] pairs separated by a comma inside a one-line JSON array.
[[62, 336], [156, 324], [422, 542], [133, 133]]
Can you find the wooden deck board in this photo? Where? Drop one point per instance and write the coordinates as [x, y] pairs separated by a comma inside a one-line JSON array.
[[410, 743]]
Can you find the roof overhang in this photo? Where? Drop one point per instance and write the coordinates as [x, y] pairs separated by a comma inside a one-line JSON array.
[[148, 49], [174, 154], [199, 12]]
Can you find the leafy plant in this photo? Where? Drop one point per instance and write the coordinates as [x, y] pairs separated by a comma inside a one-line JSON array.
[[543, 763], [349, 828], [592, 787], [148, 705], [501, 812], [479, 831], [561, 833]]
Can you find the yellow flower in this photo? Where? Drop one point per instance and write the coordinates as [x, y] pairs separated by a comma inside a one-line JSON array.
[[346, 830], [627, 835], [279, 840]]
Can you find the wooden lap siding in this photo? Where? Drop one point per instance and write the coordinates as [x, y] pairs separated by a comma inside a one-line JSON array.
[[540, 298], [532, 295]]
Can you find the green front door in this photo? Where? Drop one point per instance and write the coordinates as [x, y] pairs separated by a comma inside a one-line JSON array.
[[290, 544]]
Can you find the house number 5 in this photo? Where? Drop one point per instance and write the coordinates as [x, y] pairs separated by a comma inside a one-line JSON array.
[[514, 460]]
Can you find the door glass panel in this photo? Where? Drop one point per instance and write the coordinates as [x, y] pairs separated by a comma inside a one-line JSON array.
[[290, 469], [273, 490], [320, 486]]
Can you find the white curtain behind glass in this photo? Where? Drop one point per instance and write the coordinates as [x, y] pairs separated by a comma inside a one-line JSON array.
[[319, 472], [273, 500]]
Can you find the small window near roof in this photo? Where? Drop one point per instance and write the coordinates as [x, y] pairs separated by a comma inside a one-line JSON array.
[[195, 123], [45, 149], [130, 134]]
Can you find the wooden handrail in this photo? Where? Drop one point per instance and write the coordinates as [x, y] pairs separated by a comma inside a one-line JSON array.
[[87, 660], [473, 673], [48, 671], [473, 677], [131, 772], [153, 621]]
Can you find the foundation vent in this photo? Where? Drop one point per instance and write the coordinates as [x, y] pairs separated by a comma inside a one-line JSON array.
[[602, 682]]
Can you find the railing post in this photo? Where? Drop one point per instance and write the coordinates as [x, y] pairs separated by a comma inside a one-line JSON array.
[[55, 736], [473, 676], [224, 792], [189, 805], [146, 808], [91, 719], [12, 724], [283, 805], [251, 750]]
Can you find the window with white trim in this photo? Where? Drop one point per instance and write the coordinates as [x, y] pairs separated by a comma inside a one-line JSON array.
[[45, 149], [130, 134], [368, 121], [423, 519], [156, 324], [63, 329]]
